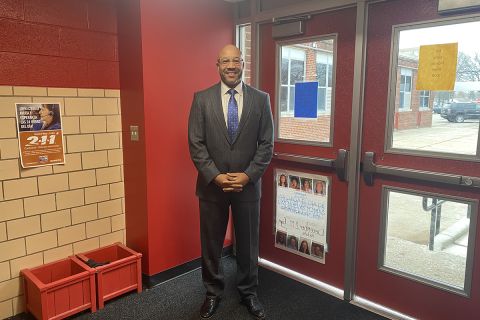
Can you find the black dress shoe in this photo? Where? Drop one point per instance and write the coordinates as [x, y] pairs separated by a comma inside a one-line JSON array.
[[254, 307], [209, 307]]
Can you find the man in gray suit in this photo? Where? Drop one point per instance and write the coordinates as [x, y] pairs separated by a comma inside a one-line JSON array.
[[230, 135]]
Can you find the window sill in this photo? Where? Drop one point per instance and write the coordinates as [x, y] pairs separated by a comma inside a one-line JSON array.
[[291, 115]]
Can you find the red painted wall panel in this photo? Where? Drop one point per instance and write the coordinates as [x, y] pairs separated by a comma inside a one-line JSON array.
[[103, 74], [87, 45], [40, 38], [11, 9], [102, 15], [179, 45], [58, 12], [25, 69], [179, 59], [22, 37], [134, 162]]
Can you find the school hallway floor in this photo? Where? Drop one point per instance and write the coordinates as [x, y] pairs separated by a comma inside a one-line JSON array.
[[181, 297]]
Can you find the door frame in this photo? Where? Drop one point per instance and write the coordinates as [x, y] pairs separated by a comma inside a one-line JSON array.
[[354, 157], [332, 157]]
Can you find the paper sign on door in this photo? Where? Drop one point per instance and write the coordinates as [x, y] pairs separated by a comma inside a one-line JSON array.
[[437, 67]]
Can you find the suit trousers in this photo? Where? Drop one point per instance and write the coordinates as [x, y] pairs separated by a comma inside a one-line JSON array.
[[213, 225]]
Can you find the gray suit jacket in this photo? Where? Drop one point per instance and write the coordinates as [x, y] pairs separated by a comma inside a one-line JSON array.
[[211, 151]]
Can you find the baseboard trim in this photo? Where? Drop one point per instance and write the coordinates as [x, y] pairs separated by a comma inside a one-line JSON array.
[[164, 276], [379, 309], [325, 287]]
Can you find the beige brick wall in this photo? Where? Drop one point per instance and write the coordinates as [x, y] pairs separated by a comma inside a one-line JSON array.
[[51, 212]]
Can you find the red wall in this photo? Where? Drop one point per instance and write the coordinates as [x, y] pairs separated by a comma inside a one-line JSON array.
[[59, 43], [134, 161], [180, 40]]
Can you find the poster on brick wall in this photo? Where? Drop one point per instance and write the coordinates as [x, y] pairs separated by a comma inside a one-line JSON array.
[[40, 134], [301, 213]]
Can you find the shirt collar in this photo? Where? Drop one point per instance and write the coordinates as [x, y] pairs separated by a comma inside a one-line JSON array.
[[238, 88]]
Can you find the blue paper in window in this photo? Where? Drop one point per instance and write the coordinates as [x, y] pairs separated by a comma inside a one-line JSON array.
[[306, 95]]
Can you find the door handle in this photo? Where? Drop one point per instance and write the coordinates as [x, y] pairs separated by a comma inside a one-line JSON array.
[[339, 164], [370, 169]]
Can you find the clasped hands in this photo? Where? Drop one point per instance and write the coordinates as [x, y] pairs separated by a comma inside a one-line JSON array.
[[232, 182]]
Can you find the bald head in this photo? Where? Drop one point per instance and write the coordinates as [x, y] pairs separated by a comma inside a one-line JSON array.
[[230, 65], [229, 51]]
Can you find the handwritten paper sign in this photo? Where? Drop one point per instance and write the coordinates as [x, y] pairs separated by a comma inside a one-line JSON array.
[[437, 67], [40, 134], [302, 213]]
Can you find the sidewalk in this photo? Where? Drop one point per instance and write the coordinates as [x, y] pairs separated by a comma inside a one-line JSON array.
[[443, 136]]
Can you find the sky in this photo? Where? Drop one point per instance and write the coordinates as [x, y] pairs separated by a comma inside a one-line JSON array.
[[466, 34]]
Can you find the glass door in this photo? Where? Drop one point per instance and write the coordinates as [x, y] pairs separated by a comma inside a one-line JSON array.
[[418, 243], [309, 77]]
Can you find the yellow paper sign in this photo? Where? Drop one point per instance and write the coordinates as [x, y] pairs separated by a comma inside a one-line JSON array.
[[437, 67]]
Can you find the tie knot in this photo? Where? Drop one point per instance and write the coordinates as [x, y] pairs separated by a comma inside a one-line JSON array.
[[232, 92]]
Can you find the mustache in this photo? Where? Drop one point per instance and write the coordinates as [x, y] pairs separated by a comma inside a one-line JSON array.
[[231, 70]]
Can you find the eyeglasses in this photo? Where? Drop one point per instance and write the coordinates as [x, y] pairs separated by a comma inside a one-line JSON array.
[[226, 61]]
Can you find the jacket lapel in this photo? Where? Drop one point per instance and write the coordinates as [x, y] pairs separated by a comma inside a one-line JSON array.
[[216, 102], [247, 108]]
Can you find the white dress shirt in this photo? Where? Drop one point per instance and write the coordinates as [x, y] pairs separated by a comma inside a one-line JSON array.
[[226, 97]]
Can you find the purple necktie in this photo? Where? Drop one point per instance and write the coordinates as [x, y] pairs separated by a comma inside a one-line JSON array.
[[232, 115]]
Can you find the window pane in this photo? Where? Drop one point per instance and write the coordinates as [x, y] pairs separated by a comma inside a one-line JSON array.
[[284, 71], [427, 237], [330, 81], [424, 99], [283, 98], [294, 68], [445, 121], [297, 71], [321, 99], [322, 74], [406, 99], [328, 99], [408, 84], [244, 44], [291, 100]]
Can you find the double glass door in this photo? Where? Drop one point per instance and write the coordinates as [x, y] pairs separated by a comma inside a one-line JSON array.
[[412, 244]]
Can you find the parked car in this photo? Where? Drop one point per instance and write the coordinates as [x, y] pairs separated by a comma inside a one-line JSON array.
[[459, 111], [437, 108]]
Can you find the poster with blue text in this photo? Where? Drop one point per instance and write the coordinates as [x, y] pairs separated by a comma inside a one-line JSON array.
[[302, 213]]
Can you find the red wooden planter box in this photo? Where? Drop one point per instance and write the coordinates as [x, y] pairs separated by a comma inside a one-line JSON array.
[[123, 273], [59, 289]]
